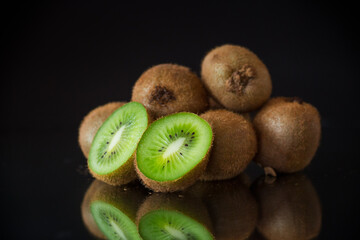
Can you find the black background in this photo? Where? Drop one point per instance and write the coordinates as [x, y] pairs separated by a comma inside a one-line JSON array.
[[60, 60]]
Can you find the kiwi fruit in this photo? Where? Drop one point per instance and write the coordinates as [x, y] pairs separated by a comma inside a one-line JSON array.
[[92, 122], [112, 152], [109, 212], [169, 88], [289, 132], [173, 152], [231, 205], [236, 78], [289, 208], [173, 216], [234, 144]]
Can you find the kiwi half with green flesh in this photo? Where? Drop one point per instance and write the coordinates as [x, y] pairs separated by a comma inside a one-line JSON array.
[[112, 152], [236, 78], [109, 212], [92, 122], [234, 144], [289, 132], [173, 152], [289, 208], [170, 216], [232, 207], [169, 88]]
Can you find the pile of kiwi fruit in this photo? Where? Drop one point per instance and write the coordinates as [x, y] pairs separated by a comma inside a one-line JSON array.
[[180, 130]]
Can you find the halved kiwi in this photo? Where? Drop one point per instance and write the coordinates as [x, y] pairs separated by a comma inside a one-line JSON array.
[[234, 147], [109, 212], [170, 88], [92, 122], [173, 152], [112, 151], [236, 78], [289, 207], [169, 216]]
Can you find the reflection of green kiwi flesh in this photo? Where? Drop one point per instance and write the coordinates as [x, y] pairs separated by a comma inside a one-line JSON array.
[[112, 222], [112, 151], [173, 152], [167, 224], [125, 199]]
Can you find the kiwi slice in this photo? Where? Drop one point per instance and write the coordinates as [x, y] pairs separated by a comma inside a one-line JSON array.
[[165, 224], [92, 122], [234, 147], [173, 152], [289, 132], [236, 78], [109, 212], [289, 207], [169, 88], [112, 151], [174, 216]]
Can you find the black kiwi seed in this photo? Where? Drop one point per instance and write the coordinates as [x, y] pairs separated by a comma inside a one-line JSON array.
[[175, 134], [193, 133], [170, 136], [182, 130], [186, 145]]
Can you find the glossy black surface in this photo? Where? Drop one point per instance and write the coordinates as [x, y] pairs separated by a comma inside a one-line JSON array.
[[63, 59]]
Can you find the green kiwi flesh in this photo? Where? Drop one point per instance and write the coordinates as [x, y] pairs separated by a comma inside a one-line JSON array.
[[173, 152], [289, 132], [236, 78], [112, 222], [169, 88], [111, 153], [92, 122], [167, 224]]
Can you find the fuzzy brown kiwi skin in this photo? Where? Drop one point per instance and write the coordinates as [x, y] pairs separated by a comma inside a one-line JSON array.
[[169, 88], [125, 173], [127, 199], [92, 122], [234, 145], [298, 216], [185, 204], [232, 207], [289, 132], [236, 78], [178, 184]]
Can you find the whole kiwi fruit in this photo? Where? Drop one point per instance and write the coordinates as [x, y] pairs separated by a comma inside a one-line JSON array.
[[234, 145], [289, 132], [289, 208], [92, 122], [169, 88], [236, 78]]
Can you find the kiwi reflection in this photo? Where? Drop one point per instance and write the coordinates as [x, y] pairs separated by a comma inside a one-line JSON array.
[[289, 208], [109, 212], [174, 216], [232, 208]]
